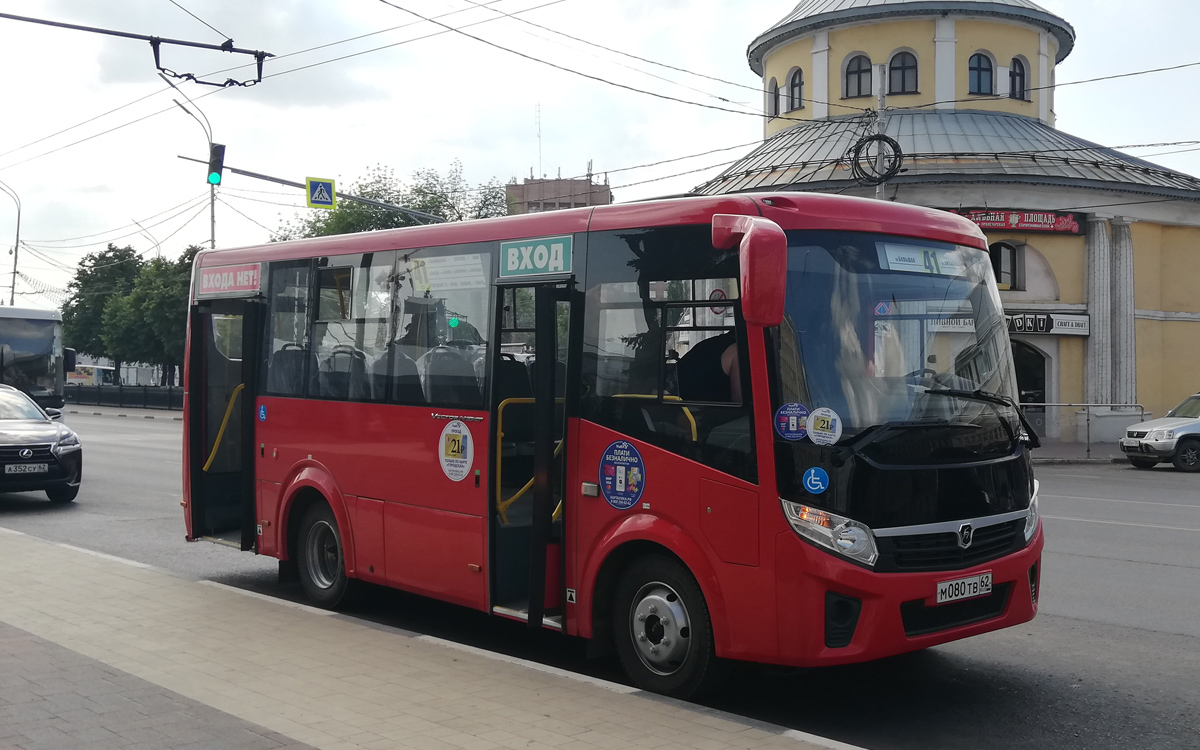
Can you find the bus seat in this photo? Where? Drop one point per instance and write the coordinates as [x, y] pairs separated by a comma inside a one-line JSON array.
[[449, 378], [405, 380], [560, 376], [343, 374], [285, 372], [512, 380]]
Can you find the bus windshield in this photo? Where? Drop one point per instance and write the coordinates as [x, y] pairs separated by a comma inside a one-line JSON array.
[[897, 332], [29, 357]]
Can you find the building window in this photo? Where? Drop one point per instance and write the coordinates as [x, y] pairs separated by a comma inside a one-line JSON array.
[[796, 90], [902, 74], [858, 77], [980, 69], [1017, 87], [773, 99], [1008, 265]]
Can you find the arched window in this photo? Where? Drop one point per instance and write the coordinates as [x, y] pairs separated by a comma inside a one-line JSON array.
[[796, 90], [773, 99], [980, 70], [1017, 88], [1008, 265], [902, 74], [858, 77]]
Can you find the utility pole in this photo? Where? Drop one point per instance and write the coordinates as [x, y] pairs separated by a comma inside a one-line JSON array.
[[212, 189], [880, 128], [12, 296]]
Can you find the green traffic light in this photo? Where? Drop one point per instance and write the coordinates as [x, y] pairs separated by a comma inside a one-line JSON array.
[[214, 178]]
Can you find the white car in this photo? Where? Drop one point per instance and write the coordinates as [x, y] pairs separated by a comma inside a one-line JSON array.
[[1174, 438]]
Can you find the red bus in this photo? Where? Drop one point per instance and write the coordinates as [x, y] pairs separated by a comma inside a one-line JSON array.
[[772, 428]]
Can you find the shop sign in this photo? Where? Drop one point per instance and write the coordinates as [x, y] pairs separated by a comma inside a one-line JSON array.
[[1024, 221], [1049, 323]]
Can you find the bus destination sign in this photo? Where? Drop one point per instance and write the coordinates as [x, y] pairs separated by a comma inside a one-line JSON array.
[[536, 257], [243, 280]]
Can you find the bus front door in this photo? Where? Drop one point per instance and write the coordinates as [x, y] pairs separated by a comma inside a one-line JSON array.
[[530, 374], [222, 374]]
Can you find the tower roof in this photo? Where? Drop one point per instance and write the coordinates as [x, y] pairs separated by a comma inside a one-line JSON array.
[[814, 15]]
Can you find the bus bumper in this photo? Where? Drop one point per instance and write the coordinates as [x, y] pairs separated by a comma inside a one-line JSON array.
[[834, 612]]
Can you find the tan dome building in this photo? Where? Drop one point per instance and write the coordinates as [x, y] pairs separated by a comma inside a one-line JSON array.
[[1097, 252]]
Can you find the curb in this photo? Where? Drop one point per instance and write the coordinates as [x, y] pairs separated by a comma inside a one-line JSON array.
[[1063, 461], [110, 414]]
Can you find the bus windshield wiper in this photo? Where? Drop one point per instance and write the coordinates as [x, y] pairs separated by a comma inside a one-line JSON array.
[[995, 399], [878, 432]]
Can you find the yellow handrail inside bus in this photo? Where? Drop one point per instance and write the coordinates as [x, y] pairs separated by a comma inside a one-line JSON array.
[[646, 396], [224, 423], [502, 506]]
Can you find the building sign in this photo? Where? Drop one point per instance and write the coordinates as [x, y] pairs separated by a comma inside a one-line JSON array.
[[1024, 221], [244, 280], [1049, 323]]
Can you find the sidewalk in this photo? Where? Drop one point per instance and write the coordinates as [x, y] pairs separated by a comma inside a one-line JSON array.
[[97, 652], [1057, 452]]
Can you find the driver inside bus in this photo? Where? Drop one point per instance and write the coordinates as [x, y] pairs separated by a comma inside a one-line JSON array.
[[709, 371]]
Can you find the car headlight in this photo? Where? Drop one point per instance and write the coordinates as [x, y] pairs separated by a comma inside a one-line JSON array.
[[833, 532], [1031, 520], [67, 442], [1161, 435]]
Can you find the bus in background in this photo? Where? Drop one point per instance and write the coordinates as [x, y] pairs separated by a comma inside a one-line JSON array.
[[32, 357], [771, 428]]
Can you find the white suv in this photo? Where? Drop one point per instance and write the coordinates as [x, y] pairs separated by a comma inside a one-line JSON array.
[[1174, 438]]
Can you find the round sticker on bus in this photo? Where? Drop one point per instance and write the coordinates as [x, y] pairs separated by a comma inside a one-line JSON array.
[[456, 451], [789, 421], [824, 426], [622, 475]]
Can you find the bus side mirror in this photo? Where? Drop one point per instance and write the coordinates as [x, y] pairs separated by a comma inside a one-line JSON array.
[[68, 360], [762, 251]]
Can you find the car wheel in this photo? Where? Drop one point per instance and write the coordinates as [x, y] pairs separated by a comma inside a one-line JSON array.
[[662, 630], [64, 494], [1143, 463], [321, 559], [1187, 456]]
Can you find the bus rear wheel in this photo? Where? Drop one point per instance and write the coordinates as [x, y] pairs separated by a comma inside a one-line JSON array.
[[662, 630], [321, 559]]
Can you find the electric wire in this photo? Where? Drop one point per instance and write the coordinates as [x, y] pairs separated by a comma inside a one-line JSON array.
[[117, 229], [201, 20], [225, 203], [203, 203]]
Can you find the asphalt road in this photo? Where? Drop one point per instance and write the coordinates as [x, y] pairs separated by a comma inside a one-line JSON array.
[[1112, 660]]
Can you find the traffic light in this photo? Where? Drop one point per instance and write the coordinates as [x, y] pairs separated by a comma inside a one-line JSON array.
[[216, 163]]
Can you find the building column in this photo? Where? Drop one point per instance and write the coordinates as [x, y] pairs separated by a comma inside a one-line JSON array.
[[1045, 114], [820, 75], [944, 64], [1124, 348], [1097, 387]]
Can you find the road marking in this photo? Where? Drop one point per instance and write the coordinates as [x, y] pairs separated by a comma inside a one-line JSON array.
[[1123, 523], [14, 532], [1115, 500], [266, 598]]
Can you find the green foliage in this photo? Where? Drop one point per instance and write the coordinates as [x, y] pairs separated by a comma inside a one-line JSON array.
[[101, 276], [448, 196]]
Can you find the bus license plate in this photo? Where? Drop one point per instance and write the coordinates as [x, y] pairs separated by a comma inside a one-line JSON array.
[[964, 588], [26, 468]]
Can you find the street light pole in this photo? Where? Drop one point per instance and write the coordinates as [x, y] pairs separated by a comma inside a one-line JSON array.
[[212, 189], [12, 297]]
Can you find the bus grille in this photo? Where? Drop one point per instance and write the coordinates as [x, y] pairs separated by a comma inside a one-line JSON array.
[[921, 619], [929, 552], [12, 453]]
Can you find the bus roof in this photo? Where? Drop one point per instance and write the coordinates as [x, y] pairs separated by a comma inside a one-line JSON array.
[[791, 210], [29, 313]]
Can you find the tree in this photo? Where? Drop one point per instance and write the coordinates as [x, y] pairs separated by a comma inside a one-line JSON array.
[[103, 275], [451, 197], [161, 292]]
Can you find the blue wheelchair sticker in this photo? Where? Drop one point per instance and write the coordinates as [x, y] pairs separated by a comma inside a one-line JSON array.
[[816, 480], [262, 412]]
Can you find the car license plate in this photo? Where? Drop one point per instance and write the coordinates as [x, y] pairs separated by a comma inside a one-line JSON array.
[[1129, 443], [26, 468], [964, 588]]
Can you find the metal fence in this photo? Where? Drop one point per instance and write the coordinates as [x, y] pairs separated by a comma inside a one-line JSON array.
[[1083, 423], [137, 396]]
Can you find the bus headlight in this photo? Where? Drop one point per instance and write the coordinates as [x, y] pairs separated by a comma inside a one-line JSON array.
[[833, 532], [1031, 520]]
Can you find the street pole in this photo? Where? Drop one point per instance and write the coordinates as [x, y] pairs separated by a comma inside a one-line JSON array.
[[880, 128], [212, 189], [12, 296]]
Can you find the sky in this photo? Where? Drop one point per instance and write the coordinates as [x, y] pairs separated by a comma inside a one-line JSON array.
[[89, 136]]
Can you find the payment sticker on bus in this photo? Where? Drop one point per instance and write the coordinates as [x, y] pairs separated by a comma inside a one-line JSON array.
[[622, 475], [790, 421], [457, 451], [824, 426]]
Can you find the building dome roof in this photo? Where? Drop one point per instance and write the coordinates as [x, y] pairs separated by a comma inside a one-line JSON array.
[[814, 15]]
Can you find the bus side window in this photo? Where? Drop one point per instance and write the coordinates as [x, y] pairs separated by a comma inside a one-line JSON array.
[[286, 339]]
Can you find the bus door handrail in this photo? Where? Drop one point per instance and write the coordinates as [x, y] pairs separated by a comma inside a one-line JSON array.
[[666, 397], [502, 506], [224, 423]]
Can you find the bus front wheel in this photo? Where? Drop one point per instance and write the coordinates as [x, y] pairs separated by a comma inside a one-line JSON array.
[[321, 560], [662, 630]]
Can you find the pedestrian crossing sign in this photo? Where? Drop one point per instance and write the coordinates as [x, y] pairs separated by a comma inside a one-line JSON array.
[[320, 193]]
